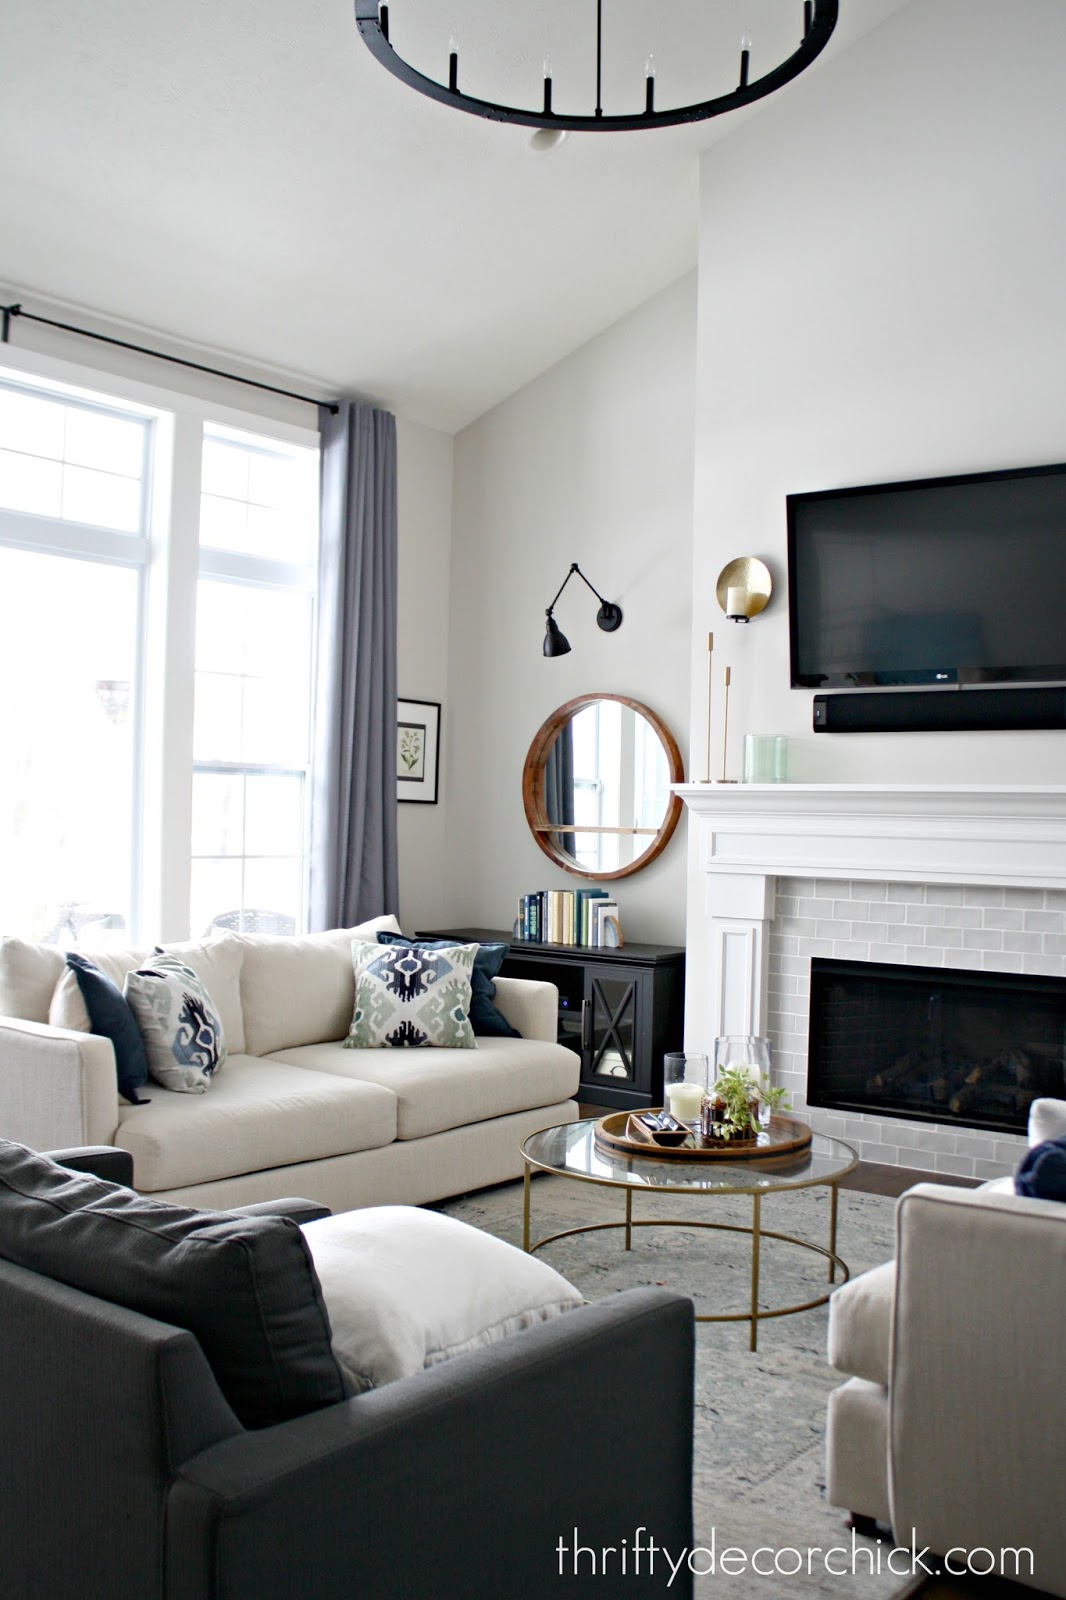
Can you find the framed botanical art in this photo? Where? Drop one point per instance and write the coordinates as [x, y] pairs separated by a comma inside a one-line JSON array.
[[417, 750]]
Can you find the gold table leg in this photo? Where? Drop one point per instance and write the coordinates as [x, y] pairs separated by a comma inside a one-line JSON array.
[[756, 1211], [629, 1219], [525, 1208], [834, 1194]]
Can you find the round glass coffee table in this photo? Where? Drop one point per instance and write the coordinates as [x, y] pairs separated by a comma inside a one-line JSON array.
[[572, 1151]]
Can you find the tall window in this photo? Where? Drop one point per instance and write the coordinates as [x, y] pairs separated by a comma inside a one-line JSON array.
[[251, 746], [73, 552], [103, 562]]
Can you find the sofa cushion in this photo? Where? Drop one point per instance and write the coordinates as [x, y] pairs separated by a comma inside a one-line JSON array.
[[300, 990], [485, 1017], [441, 1089], [408, 997], [407, 1289], [244, 1286], [182, 1031], [860, 1324], [111, 1017], [28, 976], [216, 962], [259, 1114]]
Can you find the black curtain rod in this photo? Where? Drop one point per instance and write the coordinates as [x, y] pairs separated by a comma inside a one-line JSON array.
[[7, 312]]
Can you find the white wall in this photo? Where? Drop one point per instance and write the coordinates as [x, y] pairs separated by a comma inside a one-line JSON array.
[[424, 512], [592, 462], [882, 261]]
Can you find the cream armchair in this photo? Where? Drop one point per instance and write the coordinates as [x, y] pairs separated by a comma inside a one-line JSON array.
[[951, 1426]]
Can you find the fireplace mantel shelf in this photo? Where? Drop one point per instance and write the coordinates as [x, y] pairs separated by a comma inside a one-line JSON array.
[[999, 834]]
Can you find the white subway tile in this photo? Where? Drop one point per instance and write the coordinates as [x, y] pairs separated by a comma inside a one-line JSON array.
[[1011, 920], [961, 1166], [1044, 921], [916, 955], [870, 932], [962, 917], [833, 928], [946, 938], [1054, 944], [983, 895], [925, 916], [997, 961], [907, 893], [981, 939], [1027, 899], [944, 894], [1022, 943]]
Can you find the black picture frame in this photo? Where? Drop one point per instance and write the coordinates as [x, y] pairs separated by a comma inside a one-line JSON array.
[[417, 751]]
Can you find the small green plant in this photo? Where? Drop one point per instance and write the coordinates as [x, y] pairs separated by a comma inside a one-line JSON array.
[[737, 1096]]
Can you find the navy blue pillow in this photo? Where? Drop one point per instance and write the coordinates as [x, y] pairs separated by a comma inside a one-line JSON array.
[[110, 1015], [485, 1018], [1042, 1174]]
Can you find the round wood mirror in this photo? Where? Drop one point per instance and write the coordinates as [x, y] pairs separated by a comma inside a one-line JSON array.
[[596, 786]]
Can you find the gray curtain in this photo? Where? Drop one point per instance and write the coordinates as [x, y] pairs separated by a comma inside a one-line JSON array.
[[354, 873], [559, 785]]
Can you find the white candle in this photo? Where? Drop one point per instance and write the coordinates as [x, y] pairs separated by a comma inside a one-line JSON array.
[[734, 602], [685, 1100]]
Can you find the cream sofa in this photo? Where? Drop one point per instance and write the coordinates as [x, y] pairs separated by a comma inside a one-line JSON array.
[[292, 1112], [950, 1427]]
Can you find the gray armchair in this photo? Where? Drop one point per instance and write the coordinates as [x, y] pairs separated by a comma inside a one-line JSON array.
[[125, 1475]]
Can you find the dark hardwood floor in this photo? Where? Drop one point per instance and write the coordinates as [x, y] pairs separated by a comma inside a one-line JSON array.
[[869, 1177]]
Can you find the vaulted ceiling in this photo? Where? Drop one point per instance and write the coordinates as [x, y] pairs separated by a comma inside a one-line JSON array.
[[243, 175]]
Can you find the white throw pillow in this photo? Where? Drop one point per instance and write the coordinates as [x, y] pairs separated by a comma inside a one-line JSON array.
[[411, 995], [1047, 1120], [182, 1031], [216, 962], [407, 1288]]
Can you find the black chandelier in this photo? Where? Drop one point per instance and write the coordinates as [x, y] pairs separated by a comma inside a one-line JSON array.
[[819, 20]]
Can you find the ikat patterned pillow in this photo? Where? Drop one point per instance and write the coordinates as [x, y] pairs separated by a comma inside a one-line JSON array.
[[181, 1029], [411, 996]]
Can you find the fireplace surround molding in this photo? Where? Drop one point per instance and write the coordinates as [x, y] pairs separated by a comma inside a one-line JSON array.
[[746, 836]]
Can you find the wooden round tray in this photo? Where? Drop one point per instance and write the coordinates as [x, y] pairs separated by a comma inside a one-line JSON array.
[[784, 1134]]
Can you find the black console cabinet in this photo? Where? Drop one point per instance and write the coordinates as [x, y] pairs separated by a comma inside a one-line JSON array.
[[619, 1010]]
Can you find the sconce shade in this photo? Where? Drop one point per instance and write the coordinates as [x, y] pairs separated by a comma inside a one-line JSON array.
[[555, 641]]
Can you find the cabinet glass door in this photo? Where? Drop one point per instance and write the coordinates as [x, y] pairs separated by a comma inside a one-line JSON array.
[[612, 1031]]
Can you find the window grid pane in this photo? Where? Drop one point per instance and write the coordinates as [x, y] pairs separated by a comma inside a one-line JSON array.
[[259, 498], [72, 460]]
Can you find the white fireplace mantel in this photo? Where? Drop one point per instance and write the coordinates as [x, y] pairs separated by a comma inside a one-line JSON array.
[[746, 836], [1011, 835]]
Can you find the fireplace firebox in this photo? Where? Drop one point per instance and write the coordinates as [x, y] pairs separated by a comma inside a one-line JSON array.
[[970, 1049]]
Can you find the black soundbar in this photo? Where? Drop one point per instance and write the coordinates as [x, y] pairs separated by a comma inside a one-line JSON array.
[[940, 710]]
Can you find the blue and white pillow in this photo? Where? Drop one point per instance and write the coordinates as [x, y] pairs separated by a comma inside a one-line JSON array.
[[181, 1029], [411, 996]]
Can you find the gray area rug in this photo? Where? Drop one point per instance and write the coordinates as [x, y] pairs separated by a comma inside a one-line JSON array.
[[760, 1418]]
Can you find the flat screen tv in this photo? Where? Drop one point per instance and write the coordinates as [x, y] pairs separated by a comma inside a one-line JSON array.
[[935, 581]]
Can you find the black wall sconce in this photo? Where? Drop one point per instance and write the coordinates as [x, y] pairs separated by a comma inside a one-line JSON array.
[[608, 617]]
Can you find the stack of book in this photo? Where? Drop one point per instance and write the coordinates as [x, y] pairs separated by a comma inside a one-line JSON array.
[[569, 916]]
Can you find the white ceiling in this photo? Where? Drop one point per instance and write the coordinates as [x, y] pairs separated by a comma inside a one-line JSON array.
[[243, 175]]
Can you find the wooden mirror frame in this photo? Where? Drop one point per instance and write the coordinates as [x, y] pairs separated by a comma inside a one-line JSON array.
[[533, 788]]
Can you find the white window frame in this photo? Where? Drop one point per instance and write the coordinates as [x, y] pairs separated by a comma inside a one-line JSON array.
[[171, 560]]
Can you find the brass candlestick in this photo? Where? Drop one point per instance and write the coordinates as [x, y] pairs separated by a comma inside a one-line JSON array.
[[710, 656], [725, 726]]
